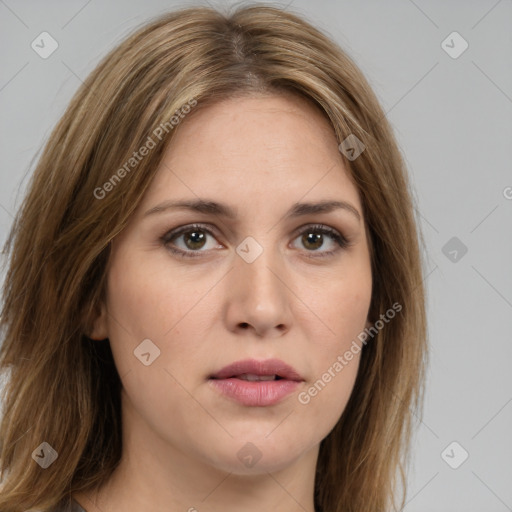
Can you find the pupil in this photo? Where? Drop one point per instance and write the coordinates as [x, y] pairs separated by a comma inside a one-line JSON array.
[[314, 239]]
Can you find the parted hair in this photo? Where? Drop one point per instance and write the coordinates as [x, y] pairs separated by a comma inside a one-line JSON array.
[[63, 388]]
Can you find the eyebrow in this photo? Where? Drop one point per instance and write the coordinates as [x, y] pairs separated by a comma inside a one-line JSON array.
[[223, 210]]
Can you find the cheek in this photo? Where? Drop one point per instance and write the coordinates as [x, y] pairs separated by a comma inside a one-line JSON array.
[[335, 364], [326, 397], [170, 309], [150, 304], [343, 309]]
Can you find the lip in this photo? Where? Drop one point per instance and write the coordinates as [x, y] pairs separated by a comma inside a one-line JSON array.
[[266, 367], [256, 393]]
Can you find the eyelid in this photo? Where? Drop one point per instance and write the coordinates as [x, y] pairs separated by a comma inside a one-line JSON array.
[[173, 233], [318, 227]]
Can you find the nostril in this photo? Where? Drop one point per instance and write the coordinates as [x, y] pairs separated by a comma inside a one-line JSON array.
[[244, 325]]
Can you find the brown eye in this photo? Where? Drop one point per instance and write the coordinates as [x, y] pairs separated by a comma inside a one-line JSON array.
[[194, 239], [312, 241]]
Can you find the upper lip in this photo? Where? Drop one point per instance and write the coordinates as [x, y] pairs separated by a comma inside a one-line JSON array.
[[254, 367]]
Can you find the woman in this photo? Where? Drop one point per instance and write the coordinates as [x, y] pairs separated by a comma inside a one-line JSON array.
[[214, 297]]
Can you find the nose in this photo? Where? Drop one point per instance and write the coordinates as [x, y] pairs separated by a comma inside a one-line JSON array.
[[258, 297]]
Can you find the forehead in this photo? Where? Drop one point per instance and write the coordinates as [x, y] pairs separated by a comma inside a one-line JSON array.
[[253, 125], [264, 148]]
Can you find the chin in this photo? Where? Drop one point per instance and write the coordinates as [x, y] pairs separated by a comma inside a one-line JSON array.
[[258, 457]]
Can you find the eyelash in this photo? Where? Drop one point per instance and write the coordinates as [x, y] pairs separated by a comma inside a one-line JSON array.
[[342, 242]]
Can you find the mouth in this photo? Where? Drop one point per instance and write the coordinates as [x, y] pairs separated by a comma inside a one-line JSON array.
[[252, 377], [253, 370], [256, 383]]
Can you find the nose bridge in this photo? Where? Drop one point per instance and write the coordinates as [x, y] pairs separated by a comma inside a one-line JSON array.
[[260, 297], [257, 267]]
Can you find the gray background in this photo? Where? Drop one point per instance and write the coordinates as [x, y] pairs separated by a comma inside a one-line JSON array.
[[452, 118]]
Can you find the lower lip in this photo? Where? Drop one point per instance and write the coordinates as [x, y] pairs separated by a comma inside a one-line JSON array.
[[255, 393]]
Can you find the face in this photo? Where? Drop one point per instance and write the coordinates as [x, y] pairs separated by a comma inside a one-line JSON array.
[[191, 291]]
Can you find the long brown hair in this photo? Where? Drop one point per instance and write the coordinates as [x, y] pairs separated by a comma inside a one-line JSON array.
[[62, 388]]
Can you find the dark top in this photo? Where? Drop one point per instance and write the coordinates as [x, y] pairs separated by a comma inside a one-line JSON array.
[[68, 506]]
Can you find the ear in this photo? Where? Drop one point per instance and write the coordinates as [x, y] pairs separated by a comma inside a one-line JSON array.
[[99, 329]]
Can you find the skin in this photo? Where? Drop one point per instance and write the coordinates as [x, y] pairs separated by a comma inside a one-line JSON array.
[[258, 155]]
